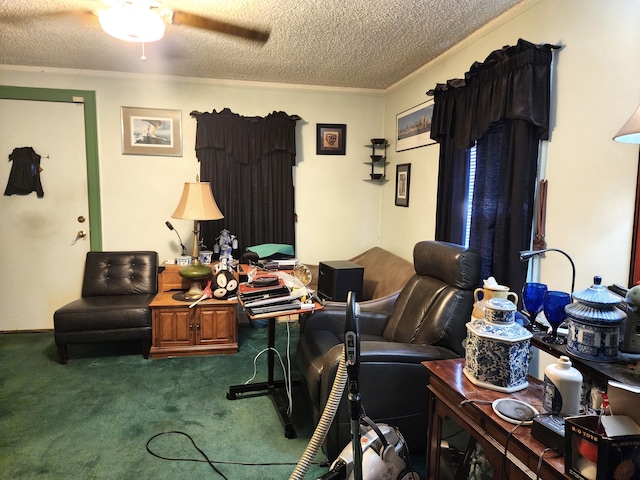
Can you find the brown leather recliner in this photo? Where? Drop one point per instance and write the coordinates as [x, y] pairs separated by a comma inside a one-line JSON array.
[[427, 323], [117, 289]]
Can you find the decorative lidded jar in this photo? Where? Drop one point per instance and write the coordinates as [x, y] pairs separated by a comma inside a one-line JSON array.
[[594, 321], [497, 348]]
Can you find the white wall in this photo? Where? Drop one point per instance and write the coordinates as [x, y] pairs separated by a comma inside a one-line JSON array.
[[592, 179], [139, 193]]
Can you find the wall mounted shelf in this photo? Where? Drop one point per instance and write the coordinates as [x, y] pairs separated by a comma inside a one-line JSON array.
[[378, 163]]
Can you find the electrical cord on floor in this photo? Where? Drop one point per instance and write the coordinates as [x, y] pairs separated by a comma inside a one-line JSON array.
[[205, 458]]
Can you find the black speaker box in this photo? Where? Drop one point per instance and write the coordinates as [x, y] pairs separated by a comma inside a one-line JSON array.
[[337, 278]]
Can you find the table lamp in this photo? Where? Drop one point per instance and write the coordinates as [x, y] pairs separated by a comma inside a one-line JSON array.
[[527, 254], [197, 204]]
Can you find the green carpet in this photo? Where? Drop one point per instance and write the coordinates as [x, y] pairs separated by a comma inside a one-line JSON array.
[[92, 418]]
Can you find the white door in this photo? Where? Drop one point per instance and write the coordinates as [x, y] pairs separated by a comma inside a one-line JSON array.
[[41, 263]]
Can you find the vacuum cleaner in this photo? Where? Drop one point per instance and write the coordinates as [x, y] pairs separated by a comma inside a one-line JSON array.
[[376, 451], [383, 456]]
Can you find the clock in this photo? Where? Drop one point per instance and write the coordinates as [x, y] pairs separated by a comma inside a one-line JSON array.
[[224, 284]]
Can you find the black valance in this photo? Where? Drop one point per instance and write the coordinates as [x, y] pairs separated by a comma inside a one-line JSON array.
[[246, 139], [512, 83]]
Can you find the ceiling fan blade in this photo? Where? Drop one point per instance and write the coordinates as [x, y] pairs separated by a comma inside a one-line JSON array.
[[83, 15], [197, 21]]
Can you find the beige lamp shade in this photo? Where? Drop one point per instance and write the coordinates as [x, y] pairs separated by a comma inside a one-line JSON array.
[[197, 203], [630, 131]]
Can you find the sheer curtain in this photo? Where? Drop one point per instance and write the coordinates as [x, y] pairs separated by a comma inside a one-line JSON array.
[[501, 106], [249, 162]]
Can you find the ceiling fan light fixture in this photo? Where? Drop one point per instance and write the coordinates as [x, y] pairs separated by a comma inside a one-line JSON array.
[[132, 23]]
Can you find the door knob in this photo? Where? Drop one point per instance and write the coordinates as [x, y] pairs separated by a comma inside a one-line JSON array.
[[79, 235]]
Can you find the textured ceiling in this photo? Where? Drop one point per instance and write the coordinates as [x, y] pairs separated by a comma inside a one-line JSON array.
[[341, 43]]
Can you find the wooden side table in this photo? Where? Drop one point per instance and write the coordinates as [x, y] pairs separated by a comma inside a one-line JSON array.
[[452, 395], [206, 329]]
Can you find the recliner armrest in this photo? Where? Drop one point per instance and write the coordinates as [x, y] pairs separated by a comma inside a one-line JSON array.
[[402, 352], [387, 352], [332, 318], [385, 303]]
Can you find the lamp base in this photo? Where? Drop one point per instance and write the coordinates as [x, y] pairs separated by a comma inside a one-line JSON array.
[[195, 291]]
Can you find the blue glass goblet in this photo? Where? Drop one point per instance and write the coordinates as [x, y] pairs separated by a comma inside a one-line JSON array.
[[553, 305], [532, 299]]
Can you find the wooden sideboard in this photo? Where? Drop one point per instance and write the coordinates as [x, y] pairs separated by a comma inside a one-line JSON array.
[[208, 328], [512, 451]]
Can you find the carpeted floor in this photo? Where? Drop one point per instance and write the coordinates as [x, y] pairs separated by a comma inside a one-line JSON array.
[[92, 418]]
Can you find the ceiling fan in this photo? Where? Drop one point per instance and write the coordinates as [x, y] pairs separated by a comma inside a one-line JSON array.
[[144, 21]]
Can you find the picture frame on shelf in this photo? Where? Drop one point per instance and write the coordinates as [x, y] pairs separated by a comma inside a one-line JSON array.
[[413, 127], [403, 182], [331, 139], [151, 131]]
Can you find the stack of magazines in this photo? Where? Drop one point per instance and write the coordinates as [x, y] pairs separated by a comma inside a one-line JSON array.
[[278, 264], [269, 300]]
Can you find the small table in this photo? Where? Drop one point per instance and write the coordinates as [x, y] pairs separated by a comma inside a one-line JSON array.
[[449, 387], [210, 327], [271, 385]]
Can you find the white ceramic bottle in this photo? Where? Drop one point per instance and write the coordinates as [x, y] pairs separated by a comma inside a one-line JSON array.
[[562, 388]]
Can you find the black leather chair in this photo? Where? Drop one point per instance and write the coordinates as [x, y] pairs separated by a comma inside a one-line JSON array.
[[117, 289], [427, 323]]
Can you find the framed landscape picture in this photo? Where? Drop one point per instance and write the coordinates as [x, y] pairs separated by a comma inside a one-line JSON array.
[[413, 127], [331, 139], [151, 131]]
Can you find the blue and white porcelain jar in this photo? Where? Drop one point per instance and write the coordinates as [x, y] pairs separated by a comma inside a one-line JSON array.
[[594, 323], [497, 351]]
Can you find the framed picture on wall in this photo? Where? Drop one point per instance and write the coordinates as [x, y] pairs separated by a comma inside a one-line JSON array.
[[403, 178], [332, 139], [413, 127], [151, 131]]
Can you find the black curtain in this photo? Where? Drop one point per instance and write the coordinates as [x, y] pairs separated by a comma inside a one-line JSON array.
[[249, 162], [502, 107]]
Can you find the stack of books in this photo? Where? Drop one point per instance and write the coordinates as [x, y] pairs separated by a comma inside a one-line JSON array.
[[265, 302], [278, 264]]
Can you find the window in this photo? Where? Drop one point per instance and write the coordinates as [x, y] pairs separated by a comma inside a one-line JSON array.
[[469, 202]]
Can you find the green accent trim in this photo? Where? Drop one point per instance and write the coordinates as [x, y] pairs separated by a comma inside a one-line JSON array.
[[88, 99]]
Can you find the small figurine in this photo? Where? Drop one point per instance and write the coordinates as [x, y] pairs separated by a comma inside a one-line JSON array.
[[227, 242]]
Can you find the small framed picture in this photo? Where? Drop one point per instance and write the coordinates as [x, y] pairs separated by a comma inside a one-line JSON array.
[[413, 127], [151, 131], [403, 178], [332, 139]]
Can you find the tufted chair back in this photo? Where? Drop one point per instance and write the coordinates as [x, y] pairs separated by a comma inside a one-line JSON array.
[[120, 273], [429, 307]]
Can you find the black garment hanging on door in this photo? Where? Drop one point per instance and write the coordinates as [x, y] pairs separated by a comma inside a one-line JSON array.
[[25, 173]]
